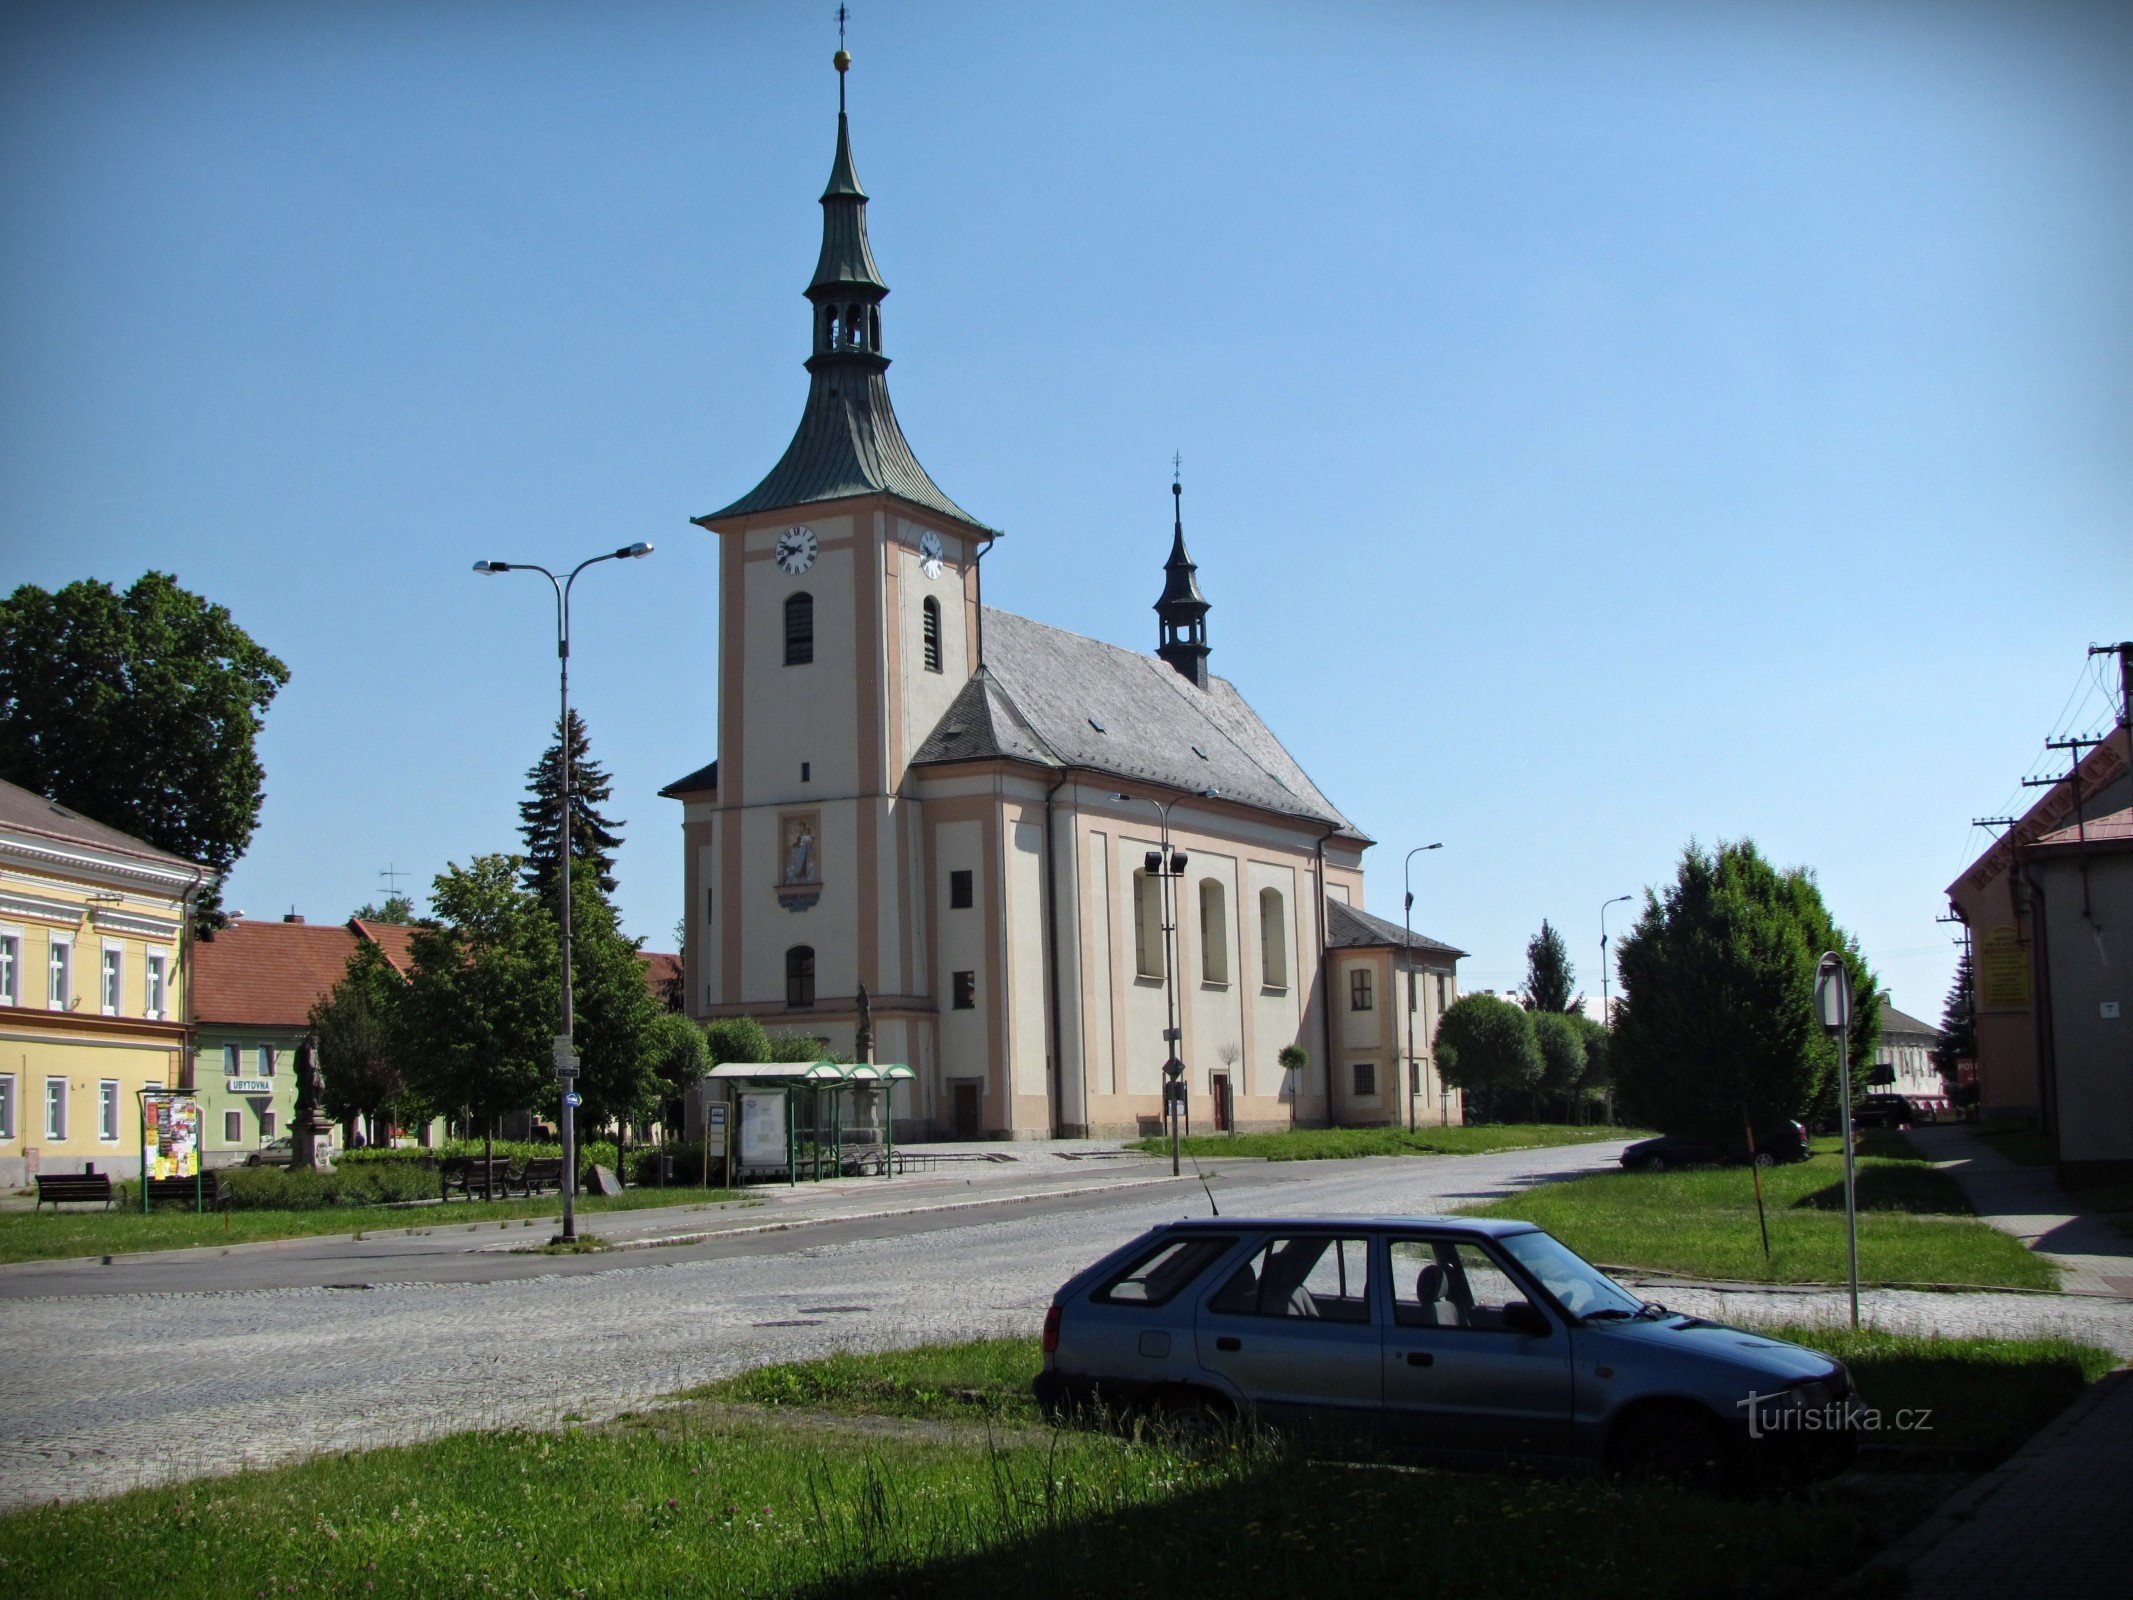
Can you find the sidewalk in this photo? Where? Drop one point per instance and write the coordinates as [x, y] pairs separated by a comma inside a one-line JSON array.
[[2093, 1257], [2050, 1521]]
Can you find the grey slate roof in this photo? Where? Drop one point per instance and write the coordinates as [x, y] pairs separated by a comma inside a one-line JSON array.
[[848, 443], [1058, 699], [846, 256], [1894, 1021], [1350, 929], [33, 813], [703, 778]]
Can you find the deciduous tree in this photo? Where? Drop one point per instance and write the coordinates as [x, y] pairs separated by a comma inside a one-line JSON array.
[[357, 1022], [141, 710], [1562, 1052], [1486, 1049]]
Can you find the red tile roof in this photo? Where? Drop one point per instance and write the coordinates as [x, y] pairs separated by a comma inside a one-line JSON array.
[[270, 974], [2112, 826], [661, 971]]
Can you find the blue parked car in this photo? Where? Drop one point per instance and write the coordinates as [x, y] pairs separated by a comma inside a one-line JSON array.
[[1458, 1340]]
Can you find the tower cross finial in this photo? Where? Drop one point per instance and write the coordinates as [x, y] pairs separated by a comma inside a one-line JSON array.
[[843, 58], [1177, 469]]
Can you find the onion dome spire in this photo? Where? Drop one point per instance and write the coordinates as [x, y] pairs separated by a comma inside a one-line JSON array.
[[849, 442], [1182, 610]]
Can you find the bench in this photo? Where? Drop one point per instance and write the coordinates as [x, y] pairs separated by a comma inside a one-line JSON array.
[[184, 1192], [66, 1188], [474, 1177], [540, 1172]]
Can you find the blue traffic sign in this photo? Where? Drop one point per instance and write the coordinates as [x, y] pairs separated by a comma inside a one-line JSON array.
[[573, 1099]]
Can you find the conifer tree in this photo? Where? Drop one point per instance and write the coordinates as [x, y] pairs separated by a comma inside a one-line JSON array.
[[593, 837], [1549, 975], [1958, 1025]]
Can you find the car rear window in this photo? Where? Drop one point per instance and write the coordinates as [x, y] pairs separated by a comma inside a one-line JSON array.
[[1163, 1271]]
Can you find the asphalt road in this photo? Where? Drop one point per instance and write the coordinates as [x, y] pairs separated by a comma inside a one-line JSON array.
[[180, 1368]]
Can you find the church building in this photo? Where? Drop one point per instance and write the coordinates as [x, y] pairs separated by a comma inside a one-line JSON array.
[[1029, 849]]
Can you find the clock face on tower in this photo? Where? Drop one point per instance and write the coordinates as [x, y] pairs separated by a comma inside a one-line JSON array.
[[796, 550], [929, 553]]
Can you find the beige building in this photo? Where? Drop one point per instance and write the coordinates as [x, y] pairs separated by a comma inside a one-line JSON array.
[[964, 812], [93, 977]]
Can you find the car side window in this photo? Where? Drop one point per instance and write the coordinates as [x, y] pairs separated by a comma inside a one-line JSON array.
[[1439, 1283], [1322, 1276], [1157, 1275]]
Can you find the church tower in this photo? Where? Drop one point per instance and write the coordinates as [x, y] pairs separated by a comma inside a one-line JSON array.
[[847, 623], [1182, 610]]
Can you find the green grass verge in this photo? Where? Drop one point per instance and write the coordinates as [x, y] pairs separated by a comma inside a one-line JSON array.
[[2019, 1140], [1914, 1224], [1321, 1144], [982, 1378], [56, 1235], [689, 1501]]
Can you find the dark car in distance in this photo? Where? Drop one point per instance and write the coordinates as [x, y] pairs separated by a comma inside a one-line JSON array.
[[1787, 1142]]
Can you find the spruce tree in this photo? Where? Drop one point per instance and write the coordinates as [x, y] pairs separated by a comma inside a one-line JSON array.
[[592, 836], [1958, 1026], [1549, 975]]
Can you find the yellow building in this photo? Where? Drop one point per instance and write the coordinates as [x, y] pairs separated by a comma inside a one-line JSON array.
[[93, 966]]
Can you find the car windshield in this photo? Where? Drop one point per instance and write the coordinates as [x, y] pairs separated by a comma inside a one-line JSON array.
[[1583, 1289]]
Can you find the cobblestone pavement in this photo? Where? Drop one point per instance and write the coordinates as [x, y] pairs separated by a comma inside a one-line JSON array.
[[99, 1392]]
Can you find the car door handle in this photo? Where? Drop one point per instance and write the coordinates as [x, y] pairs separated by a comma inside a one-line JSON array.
[[1419, 1358], [1228, 1342]]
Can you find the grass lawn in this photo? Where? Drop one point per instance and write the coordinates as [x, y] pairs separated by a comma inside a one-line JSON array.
[[52, 1235], [692, 1500], [1319, 1144], [1914, 1224]]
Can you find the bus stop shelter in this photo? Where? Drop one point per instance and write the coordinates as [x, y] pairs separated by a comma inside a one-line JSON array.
[[796, 1118]]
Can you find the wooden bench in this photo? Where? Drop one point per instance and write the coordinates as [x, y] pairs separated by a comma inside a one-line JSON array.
[[473, 1177], [207, 1192], [540, 1172], [66, 1188]]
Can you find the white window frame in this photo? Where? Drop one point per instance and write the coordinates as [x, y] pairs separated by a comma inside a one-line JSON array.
[[7, 1108], [155, 994], [55, 1110], [270, 1058], [233, 1126], [59, 972], [111, 979], [233, 1059], [266, 1125], [107, 1111], [10, 966]]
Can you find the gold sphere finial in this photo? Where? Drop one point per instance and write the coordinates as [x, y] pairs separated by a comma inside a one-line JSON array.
[[843, 60]]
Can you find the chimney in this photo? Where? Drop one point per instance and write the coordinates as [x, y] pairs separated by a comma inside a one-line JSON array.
[[292, 917]]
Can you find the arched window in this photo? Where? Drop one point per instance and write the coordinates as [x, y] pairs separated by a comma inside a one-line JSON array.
[[1273, 940], [799, 629], [873, 327], [800, 975], [854, 329], [1147, 926], [930, 625], [836, 327], [1214, 933]]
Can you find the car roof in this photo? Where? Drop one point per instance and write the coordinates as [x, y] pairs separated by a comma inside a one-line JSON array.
[[1488, 1227]]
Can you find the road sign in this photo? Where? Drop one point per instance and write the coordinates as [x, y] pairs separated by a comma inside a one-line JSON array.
[[573, 1099], [1173, 1069], [1171, 1036]]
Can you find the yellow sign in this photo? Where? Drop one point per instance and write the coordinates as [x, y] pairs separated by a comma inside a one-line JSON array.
[[2003, 979]]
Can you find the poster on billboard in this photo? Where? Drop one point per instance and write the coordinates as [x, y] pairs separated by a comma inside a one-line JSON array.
[[763, 1128], [173, 1137]]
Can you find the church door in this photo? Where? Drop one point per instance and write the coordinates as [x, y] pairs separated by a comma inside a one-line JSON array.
[[966, 1110], [1219, 1087]]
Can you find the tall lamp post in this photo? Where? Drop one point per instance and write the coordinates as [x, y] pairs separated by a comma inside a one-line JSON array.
[[1833, 1009], [1167, 866], [1407, 954], [566, 1055]]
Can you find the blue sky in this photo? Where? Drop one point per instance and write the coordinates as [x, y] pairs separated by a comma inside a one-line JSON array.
[[1603, 424]]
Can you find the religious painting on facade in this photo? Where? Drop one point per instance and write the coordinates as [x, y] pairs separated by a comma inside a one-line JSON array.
[[799, 849]]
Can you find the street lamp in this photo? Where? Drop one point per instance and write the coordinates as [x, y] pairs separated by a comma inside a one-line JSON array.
[[1166, 866], [566, 1056], [1607, 1014], [1407, 954], [1833, 1009]]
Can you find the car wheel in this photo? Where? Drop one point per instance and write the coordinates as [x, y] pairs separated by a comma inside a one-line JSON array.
[[1672, 1445], [1763, 1158], [1655, 1163], [1192, 1424]]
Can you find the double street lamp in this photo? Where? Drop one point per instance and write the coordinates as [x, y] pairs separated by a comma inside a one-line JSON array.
[[1607, 1013], [1167, 866], [1407, 954], [566, 1055]]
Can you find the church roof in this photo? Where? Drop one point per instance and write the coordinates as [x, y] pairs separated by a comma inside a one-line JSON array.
[[848, 443], [1059, 699], [1350, 929], [704, 778]]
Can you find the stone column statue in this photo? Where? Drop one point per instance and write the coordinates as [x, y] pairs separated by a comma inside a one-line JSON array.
[[307, 1129], [863, 1037]]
